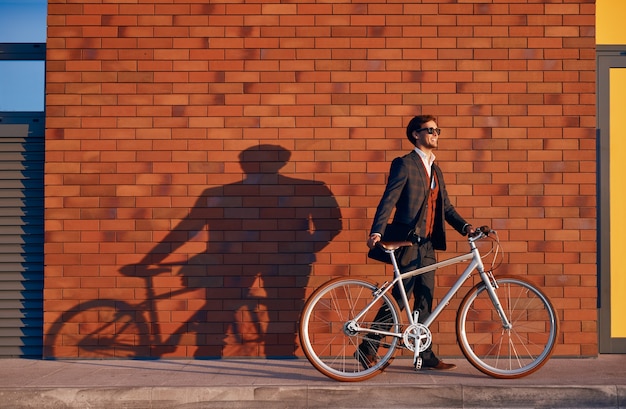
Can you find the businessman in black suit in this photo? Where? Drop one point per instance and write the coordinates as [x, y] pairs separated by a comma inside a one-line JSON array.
[[417, 192]]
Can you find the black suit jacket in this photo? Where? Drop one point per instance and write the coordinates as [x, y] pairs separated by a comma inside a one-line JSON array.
[[408, 187]]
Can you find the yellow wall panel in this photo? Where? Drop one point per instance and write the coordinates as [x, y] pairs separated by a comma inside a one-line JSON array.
[[610, 22], [617, 124]]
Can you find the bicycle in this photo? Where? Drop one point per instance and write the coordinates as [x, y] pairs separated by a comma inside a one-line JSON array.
[[506, 327], [115, 328]]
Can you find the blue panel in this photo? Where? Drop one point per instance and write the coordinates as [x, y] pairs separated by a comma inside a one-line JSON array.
[[22, 86], [23, 21]]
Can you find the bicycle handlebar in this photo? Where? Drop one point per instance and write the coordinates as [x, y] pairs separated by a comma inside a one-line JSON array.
[[479, 232], [482, 230]]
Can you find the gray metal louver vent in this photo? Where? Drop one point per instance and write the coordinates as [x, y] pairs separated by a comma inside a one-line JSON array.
[[21, 236]]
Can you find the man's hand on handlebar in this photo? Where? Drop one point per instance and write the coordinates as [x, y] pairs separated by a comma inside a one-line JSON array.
[[484, 230]]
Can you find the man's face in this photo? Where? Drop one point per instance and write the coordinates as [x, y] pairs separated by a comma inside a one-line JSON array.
[[426, 140]]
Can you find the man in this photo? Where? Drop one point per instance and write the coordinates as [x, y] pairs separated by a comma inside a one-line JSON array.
[[417, 192]]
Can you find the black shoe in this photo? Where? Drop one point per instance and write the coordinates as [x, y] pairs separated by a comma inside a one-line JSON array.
[[366, 360]]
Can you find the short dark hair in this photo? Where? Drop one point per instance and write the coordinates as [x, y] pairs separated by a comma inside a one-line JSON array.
[[415, 124]]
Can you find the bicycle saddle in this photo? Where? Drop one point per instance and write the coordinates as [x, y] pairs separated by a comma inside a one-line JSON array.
[[393, 245]]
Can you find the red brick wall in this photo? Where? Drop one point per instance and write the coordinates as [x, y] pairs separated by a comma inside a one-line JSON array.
[[151, 105]]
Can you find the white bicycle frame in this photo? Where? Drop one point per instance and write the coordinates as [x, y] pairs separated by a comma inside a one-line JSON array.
[[476, 263]]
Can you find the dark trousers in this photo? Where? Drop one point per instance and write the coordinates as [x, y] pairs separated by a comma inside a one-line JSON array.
[[422, 287]]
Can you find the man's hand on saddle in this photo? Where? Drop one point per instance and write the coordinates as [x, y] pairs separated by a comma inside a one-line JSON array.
[[373, 239]]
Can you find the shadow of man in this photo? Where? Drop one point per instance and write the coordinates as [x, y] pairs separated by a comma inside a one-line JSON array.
[[263, 236]]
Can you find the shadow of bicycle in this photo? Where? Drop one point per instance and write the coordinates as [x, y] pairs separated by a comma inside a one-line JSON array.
[[241, 295]]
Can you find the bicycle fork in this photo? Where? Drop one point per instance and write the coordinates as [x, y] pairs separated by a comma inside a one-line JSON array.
[[491, 285]]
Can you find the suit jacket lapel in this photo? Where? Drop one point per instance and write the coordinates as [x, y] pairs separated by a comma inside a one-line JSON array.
[[421, 171]]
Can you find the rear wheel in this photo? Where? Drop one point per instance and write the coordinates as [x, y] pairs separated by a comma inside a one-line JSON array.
[[97, 329], [330, 344], [498, 351]]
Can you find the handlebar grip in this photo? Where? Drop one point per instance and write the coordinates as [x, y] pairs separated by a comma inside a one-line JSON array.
[[482, 230]]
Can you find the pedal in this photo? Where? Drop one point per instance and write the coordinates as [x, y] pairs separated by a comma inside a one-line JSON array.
[[417, 363]]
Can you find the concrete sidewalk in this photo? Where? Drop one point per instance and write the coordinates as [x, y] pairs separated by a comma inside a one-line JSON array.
[[259, 383]]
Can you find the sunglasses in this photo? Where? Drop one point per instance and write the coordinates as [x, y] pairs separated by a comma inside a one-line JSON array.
[[431, 130]]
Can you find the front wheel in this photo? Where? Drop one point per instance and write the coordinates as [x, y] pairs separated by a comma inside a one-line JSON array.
[[331, 344], [507, 352]]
